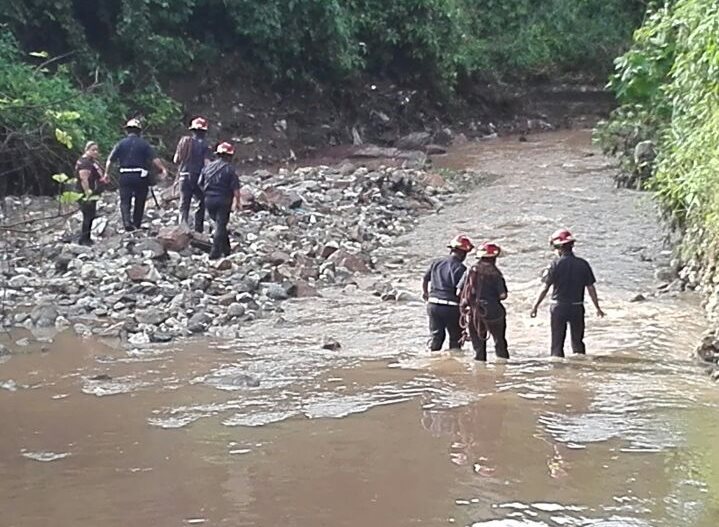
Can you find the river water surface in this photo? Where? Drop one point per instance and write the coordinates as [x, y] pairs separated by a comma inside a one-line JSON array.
[[271, 430]]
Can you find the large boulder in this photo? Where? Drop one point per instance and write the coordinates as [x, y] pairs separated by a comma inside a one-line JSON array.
[[274, 198], [349, 261], [153, 316], [198, 322], [175, 238], [414, 141], [44, 315]]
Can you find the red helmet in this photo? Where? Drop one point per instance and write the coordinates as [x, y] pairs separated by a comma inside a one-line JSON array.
[[133, 123], [461, 243], [561, 237], [489, 250], [225, 148], [198, 123]]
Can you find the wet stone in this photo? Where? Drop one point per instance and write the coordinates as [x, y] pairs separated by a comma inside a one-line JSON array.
[[236, 310], [198, 323], [44, 316], [152, 316], [331, 344]]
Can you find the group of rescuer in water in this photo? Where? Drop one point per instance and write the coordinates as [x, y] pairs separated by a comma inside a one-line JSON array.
[[466, 303]]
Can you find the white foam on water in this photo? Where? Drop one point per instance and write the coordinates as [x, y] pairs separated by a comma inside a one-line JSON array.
[[45, 457]]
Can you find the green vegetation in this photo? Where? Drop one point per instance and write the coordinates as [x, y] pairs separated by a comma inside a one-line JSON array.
[[668, 87], [110, 58]]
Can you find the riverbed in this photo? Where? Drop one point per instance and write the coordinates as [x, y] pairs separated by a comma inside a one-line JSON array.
[[271, 429]]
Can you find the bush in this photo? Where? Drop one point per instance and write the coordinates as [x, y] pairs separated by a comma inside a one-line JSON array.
[[669, 88], [45, 118]]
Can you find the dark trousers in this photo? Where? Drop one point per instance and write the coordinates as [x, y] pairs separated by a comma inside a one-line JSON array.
[[498, 329], [219, 211], [561, 315], [443, 318], [133, 187], [89, 212], [189, 190]]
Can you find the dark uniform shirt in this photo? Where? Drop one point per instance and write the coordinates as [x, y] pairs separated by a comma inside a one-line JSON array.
[[569, 275], [444, 276], [489, 290], [195, 160], [87, 163], [133, 152], [219, 180]]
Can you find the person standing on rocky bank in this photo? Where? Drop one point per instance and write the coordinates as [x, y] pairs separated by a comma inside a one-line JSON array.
[[220, 185], [192, 155], [90, 178], [570, 276], [444, 276], [136, 159]]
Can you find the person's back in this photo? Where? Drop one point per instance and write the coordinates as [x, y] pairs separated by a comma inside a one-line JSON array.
[[569, 276], [133, 152], [220, 185], [192, 153], [218, 180], [444, 276]]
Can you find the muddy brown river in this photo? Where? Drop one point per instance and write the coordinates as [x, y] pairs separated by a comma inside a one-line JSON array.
[[271, 430]]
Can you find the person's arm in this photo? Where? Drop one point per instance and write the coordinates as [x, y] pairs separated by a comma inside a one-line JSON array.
[[425, 284], [548, 280], [84, 175], [590, 280], [540, 299], [110, 159], [160, 166], [502, 289], [461, 283], [595, 300]]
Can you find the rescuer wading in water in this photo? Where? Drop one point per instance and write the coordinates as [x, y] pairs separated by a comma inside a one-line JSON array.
[[482, 290], [444, 276], [569, 275]]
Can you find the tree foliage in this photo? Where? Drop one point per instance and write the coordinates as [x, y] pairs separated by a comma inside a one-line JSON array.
[[668, 84], [108, 59]]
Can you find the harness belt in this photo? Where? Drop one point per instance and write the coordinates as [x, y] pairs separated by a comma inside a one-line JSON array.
[[433, 300], [142, 171]]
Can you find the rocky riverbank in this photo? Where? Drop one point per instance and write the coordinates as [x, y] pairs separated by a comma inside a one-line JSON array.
[[299, 231], [695, 262]]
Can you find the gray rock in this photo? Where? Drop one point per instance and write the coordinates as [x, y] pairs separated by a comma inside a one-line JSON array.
[[226, 300], [276, 292], [160, 337], [198, 322], [18, 281], [236, 310], [329, 343], [43, 316], [433, 150], [153, 316], [154, 247], [414, 141]]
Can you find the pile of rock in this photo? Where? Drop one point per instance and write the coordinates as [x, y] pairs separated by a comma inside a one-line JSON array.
[[299, 230]]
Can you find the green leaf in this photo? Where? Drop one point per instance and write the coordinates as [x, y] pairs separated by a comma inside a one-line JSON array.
[[61, 178], [39, 54], [63, 138], [70, 197]]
